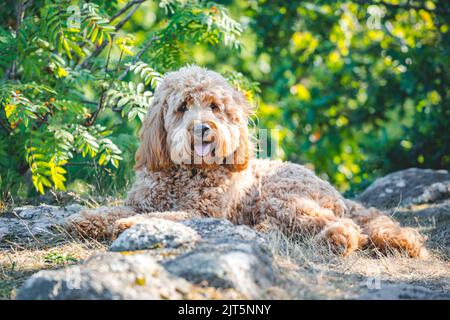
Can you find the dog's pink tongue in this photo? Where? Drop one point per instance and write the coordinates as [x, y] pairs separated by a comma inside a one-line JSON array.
[[202, 149]]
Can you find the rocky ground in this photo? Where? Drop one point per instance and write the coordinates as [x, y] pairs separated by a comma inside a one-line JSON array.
[[213, 259]]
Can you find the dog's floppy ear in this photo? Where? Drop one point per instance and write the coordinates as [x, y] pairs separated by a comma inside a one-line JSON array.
[[152, 152], [242, 154]]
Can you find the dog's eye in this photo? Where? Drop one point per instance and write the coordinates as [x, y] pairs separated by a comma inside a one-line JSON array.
[[214, 107], [182, 108]]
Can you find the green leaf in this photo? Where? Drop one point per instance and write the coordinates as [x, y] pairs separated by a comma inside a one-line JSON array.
[[67, 48]]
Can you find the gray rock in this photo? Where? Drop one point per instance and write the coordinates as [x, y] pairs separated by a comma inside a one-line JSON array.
[[228, 257], [9, 226], [106, 276], [215, 253], [406, 187], [222, 230], [222, 255], [437, 213], [403, 291], [29, 222], [439, 237], [154, 234], [53, 213]]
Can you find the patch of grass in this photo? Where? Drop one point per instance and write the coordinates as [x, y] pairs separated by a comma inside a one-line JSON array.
[[59, 258], [308, 271], [20, 258], [18, 263]]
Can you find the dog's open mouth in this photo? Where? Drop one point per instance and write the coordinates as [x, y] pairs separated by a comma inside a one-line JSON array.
[[203, 149]]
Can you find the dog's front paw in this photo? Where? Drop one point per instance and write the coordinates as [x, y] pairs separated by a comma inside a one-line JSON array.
[[342, 236], [89, 224], [80, 224]]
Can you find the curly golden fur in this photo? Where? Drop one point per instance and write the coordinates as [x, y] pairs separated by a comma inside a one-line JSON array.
[[195, 159]]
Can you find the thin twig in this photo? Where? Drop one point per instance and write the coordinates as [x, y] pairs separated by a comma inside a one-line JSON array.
[[138, 55], [94, 116], [118, 27], [88, 102], [6, 128], [83, 163], [20, 9], [127, 17], [124, 9]]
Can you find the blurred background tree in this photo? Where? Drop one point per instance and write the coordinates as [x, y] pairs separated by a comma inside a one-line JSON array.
[[356, 89]]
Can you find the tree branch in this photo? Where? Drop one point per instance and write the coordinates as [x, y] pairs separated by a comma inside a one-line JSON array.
[[127, 17], [118, 27], [94, 115], [82, 163], [20, 9], [139, 55], [5, 127], [121, 23], [124, 9], [88, 102]]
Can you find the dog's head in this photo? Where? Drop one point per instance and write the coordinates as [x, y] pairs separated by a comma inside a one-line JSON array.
[[196, 120]]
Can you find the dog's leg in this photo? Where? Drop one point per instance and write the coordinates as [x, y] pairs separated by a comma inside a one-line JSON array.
[[385, 233], [98, 223], [306, 217], [125, 223]]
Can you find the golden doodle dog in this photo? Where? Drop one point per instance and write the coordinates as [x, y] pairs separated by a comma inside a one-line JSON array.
[[195, 160]]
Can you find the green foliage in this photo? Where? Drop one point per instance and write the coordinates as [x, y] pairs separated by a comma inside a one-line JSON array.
[[250, 88], [73, 84], [6, 48], [56, 258], [356, 88], [132, 100], [192, 23]]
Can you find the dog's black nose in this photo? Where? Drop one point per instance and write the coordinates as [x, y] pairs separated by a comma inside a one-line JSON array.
[[201, 129]]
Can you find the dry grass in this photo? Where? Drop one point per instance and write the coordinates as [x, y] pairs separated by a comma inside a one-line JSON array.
[[19, 262], [309, 271], [306, 270]]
